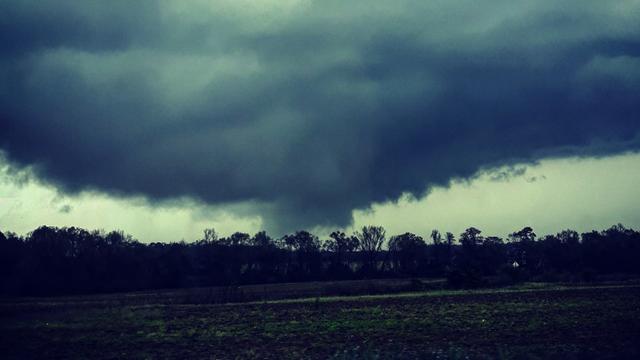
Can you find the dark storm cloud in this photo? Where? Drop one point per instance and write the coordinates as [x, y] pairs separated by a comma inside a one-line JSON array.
[[65, 209], [312, 110], [507, 174]]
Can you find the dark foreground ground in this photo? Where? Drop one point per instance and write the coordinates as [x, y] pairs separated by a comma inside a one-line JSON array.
[[536, 322]]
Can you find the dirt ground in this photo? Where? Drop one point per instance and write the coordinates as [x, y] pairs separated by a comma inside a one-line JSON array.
[[567, 323]]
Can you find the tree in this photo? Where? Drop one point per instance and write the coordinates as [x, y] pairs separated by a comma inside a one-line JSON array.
[[68, 260], [526, 234], [569, 250], [238, 239], [371, 239], [436, 237], [307, 249], [569, 237], [341, 246], [471, 237], [492, 255], [450, 238], [302, 241], [210, 235], [493, 241], [440, 253], [525, 249], [264, 259], [11, 250], [407, 250], [261, 239], [467, 266]]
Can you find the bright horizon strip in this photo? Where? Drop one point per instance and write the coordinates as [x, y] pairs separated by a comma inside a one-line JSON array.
[[553, 195]]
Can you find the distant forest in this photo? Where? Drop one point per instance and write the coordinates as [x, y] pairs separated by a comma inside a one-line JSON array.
[[70, 260]]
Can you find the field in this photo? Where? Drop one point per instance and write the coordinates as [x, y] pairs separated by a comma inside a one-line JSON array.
[[535, 321]]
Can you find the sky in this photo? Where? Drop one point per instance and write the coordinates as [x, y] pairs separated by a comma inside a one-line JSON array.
[[165, 117]]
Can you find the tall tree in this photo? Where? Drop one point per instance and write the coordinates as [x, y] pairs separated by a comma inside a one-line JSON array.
[[371, 239], [341, 246], [436, 237], [525, 249], [526, 234], [210, 235], [307, 247], [471, 237], [407, 250]]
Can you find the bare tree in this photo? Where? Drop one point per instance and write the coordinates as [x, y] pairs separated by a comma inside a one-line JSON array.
[[371, 239], [210, 235]]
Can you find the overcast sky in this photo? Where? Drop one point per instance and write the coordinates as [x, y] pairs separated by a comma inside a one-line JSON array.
[[164, 117]]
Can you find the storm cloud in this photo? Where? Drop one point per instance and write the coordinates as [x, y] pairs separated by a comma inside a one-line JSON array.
[[309, 109]]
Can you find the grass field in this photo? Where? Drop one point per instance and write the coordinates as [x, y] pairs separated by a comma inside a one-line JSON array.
[[527, 322]]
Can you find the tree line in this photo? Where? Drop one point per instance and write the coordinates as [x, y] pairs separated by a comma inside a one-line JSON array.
[[71, 260]]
